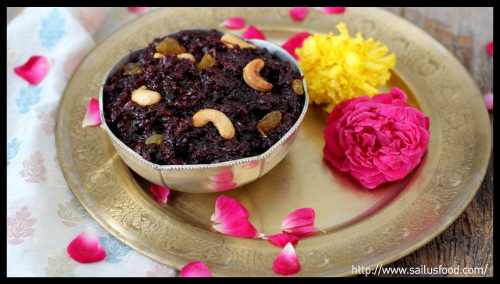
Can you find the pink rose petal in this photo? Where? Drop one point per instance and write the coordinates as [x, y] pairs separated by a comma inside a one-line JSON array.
[[287, 262], [299, 13], [227, 208], [238, 227], [253, 33], [295, 42], [34, 70], [331, 10], [138, 10], [280, 240], [234, 23], [196, 269], [298, 218], [85, 248], [305, 232], [489, 48], [92, 117], [488, 100], [160, 193]]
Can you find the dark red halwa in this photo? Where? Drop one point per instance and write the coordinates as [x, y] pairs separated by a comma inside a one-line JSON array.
[[185, 90]]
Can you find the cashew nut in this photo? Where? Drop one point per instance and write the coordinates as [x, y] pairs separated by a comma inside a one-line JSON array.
[[230, 41], [145, 97], [157, 55], [219, 119], [186, 56], [180, 56], [252, 77]]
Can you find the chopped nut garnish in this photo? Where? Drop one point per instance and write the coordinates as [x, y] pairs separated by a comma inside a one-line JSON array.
[[188, 56], [157, 55], [252, 77], [230, 41], [219, 120], [145, 97]]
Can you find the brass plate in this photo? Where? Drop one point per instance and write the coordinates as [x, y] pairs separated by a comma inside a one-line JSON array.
[[363, 227]]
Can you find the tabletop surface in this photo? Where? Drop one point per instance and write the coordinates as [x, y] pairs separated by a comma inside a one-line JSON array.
[[468, 242]]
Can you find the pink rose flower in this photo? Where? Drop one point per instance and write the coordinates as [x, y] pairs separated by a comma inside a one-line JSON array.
[[377, 140]]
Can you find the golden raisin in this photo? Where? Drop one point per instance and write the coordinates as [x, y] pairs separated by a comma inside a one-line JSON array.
[[297, 87], [269, 122], [206, 62], [132, 69], [155, 139], [170, 45]]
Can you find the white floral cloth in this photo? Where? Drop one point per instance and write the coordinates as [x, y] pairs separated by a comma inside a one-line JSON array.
[[43, 216]]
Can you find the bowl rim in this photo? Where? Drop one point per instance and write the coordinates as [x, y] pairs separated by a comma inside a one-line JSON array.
[[279, 51]]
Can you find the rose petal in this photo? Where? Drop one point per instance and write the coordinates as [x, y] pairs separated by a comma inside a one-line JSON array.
[[253, 33], [287, 262], [295, 42], [160, 193], [398, 94], [298, 218], [196, 269], [138, 10], [280, 240], [488, 100], [299, 13], [238, 227], [85, 248], [489, 48], [92, 116], [234, 23], [227, 208], [34, 70], [305, 232], [331, 10]]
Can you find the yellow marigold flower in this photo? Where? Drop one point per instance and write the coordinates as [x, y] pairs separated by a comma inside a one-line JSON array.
[[339, 67]]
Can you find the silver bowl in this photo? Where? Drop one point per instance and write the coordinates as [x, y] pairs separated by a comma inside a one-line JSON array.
[[207, 178]]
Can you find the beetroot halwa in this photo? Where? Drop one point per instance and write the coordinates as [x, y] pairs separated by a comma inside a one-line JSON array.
[[186, 89]]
